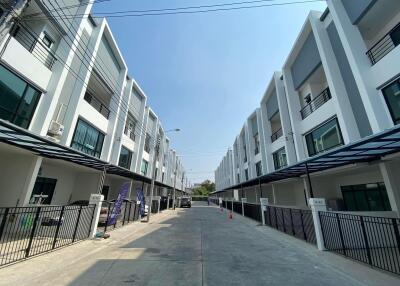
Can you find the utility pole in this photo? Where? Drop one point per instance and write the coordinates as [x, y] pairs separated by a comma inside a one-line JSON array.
[[153, 177], [174, 193]]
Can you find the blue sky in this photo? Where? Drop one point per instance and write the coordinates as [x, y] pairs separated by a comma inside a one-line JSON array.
[[205, 73]]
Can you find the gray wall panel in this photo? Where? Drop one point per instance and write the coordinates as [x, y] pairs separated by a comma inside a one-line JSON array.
[[272, 105], [307, 61], [349, 82], [356, 9]]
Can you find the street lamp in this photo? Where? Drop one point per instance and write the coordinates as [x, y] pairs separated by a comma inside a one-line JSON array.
[[153, 177]]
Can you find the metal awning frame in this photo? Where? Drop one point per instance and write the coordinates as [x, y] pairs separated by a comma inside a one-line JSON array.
[[368, 149], [16, 136]]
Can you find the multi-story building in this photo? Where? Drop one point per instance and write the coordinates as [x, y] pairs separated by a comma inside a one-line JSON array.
[[337, 88], [65, 86]]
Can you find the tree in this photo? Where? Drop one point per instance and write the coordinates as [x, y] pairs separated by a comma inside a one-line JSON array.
[[205, 188]]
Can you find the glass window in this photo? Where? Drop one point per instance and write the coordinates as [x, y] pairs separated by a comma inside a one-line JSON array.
[[246, 174], [147, 143], [259, 169], [47, 41], [87, 139], [18, 100], [395, 36], [130, 126], [144, 167], [125, 158], [392, 97], [366, 197], [324, 138], [256, 144], [280, 159]]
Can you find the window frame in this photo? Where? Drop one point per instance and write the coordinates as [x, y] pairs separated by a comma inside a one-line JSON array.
[[14, 114], [80, 119], [318, 127], [130, 155], [395, 121], [276, 159]]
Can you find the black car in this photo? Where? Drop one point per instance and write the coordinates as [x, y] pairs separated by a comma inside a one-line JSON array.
[[186, 202]]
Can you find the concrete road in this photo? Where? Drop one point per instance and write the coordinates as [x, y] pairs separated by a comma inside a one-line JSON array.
[[197, 246]]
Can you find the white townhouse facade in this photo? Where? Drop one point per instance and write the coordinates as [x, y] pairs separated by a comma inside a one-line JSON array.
[[65, 80], [338, 86]]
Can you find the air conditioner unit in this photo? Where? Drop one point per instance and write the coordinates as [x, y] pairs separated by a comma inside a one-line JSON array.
[[55, 131]]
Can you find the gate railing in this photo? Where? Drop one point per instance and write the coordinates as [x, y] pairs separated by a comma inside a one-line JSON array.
[[250, 210], [29, 231], [129, 213], [296, 222], [369, 239]]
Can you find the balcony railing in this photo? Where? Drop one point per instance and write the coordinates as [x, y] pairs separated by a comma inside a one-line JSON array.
[[130, 133], [316, 103], [97, 104], [34, 45], [385, 45], [277, 134]]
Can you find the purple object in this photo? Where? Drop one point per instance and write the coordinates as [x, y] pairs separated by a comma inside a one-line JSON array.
[[118, 203]]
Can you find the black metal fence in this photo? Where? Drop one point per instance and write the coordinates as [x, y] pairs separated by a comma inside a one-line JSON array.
[[237, 207], [33, 44], [252, 211], [372, 240], [29, 231], [129, 213], [296, 222], [386, 44], [316, 103]]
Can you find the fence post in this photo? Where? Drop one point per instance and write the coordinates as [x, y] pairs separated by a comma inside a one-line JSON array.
[[3, 222], [123, 219], [58, 227], [129, 210], [395, 228], [302, 225], [341, 234], [28, 249], [263, 207], [366, 240], [316, 206], [291, 219], [243, 201], [283, 221], [77, 224], [276, 218], [95, 199]]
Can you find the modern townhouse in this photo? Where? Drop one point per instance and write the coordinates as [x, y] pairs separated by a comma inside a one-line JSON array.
[[64, 80], [337, 88]]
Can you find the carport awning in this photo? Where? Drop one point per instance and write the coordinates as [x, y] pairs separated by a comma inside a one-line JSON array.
[[21, 138], [368, 149]]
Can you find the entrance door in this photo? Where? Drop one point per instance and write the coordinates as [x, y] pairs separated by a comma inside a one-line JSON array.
[[43, 191], [366, 197], [105, 191]]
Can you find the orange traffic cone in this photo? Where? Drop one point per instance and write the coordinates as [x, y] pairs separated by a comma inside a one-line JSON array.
[[230, 215]]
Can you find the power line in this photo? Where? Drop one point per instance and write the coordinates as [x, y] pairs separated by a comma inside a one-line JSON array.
[[177, 11]]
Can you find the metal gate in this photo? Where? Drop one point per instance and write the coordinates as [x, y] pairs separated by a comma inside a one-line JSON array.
[[368, 239], [29, 231]]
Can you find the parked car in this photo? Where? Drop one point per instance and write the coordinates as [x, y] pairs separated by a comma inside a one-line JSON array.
[[186, 202]]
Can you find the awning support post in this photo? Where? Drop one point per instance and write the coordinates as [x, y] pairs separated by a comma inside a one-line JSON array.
[[309, 182]]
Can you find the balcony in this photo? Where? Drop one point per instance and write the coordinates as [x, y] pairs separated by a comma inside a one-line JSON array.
[[316, 103], [97, 104], [386, 44], [34, 45], [277, 134], [130, 133]]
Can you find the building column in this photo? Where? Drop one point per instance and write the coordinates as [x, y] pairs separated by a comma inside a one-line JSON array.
[[294, 112], [29, 180], [336, 85], [390, 174], [356, 49]]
